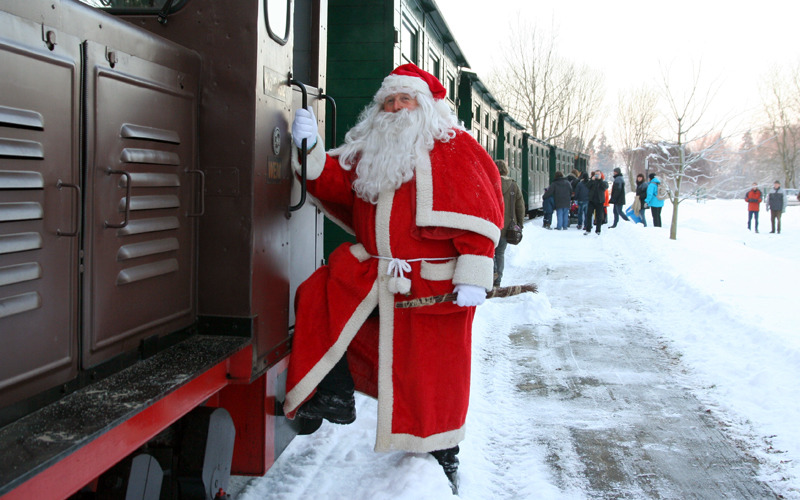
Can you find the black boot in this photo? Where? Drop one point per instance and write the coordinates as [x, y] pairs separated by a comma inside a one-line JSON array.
[[449, 462], [334, 400], [336, 408]]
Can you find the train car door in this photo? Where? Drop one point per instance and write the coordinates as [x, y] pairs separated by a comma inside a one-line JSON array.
[[305, 226], [284, 254], [142, 183], [39, 207]]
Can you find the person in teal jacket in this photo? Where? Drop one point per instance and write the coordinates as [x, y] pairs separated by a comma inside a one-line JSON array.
[[653, 201]]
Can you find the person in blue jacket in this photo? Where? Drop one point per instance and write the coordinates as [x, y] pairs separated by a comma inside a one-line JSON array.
[[653, 201]]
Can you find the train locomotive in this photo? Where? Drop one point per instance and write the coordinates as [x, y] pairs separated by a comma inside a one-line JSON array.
[[152, 234], [151, 239]]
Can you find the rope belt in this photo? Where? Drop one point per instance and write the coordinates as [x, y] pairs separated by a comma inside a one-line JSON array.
[[398, 267]]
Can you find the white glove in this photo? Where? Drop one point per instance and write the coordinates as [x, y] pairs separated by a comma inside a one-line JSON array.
[[469, 295], [304, 126]]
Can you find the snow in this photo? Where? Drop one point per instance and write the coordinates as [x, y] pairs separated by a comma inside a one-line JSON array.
[[720, 299]]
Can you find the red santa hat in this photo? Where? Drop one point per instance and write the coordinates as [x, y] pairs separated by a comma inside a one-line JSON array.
[[410, 79]]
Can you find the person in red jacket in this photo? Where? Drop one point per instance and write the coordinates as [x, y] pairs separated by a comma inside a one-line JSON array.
[[753, 199]]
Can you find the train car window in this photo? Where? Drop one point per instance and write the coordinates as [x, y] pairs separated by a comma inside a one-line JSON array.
[[451, 87], [135, 6], [278, 14], [305, 52], [434, 65], [409, 41]]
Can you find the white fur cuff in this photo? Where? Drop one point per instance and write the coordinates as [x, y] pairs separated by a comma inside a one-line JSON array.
[[315, 160], [359, 252], [475, 270]]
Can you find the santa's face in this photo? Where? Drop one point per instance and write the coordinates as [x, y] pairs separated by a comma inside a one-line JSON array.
[[390, 139], [396, 102]]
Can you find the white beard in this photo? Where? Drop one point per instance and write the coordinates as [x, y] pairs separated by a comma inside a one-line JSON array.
[[387, 147], [389, 153]]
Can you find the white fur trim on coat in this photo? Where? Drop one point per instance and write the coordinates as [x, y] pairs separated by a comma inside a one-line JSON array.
[[402, 84], [309, 383], [359, 252], [441, 441], [383, 214], [475, 270], [428, 217], [437, 271], [315, 160]]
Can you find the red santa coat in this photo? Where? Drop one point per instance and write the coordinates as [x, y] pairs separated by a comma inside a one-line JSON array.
[[445, 224]]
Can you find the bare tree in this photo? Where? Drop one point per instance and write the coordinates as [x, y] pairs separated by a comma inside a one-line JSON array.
[[781, 98], [558, 100], [636, 114], [681, 158]]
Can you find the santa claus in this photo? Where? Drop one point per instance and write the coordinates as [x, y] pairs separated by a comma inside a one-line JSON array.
[[424, 202]]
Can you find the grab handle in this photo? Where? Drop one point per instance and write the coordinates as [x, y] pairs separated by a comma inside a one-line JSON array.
[[323, 95], [202, 192], [77, 189], [303, 151]]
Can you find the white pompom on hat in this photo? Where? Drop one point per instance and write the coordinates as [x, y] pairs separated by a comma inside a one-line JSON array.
[[410, 79]]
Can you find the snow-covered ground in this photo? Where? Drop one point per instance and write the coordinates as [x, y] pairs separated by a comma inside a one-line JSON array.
[[720, 299]]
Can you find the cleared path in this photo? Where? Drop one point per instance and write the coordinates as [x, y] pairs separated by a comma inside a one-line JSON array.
[[606, 400]]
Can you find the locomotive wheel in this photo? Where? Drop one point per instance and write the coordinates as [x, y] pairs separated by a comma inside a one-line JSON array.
[[206, 450], [136, 477]]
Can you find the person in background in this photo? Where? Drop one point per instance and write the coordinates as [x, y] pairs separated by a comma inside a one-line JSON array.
[[607, 197], [561, 192], [753, 199], [618, 197], [641, 193], [573, 179], [652, 199], [548, 207], [776, 204], [424, 202], [598, 188], [514, 214], [582, 198]]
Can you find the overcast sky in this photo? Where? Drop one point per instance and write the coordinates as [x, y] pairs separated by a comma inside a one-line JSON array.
[[735, 41]]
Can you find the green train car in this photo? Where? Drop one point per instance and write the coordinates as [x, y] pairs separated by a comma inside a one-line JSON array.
[[512, 133], [366, 41], [479, 111]]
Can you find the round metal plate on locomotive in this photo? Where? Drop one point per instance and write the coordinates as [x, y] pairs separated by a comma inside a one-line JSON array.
[[276, 141]]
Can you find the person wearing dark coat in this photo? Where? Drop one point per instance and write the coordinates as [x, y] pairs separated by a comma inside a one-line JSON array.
[[514, 214], [618, 197], [776, 204], [548, 206], [641, 192], [597, 198], [582, 198], [561, 192], [573, 179]]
